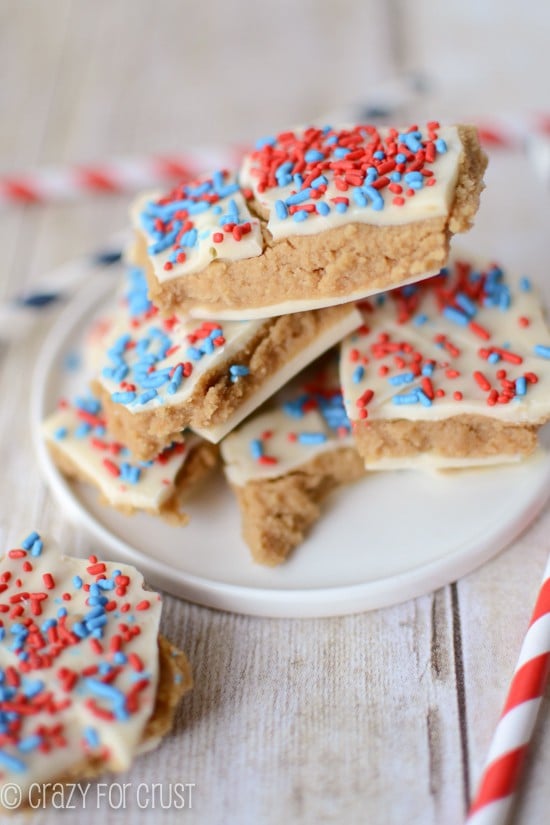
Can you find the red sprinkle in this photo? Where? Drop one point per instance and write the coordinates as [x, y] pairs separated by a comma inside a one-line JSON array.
[[481, 381]]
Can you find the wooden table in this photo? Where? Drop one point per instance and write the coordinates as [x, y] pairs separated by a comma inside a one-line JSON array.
[[383, 717]]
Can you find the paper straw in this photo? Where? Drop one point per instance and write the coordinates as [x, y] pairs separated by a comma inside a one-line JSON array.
[[118, 176], [499, 783], [19, 314]]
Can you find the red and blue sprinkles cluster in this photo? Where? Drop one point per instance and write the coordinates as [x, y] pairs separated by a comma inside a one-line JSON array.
[[116, 461], [458, 294], [136, 357], [360, 162], [37, 629], [171, 221], [316, 395]]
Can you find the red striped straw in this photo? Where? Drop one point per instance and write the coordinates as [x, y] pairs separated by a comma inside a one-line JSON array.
[[499, 783], [114, 176]]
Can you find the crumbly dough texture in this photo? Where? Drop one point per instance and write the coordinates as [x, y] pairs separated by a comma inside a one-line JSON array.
[[332, 264], [460, 436], [175, 679], [201, 461], [277, 513], [216, 398]]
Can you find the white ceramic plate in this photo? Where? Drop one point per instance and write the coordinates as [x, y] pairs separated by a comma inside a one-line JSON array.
[[386, 539]]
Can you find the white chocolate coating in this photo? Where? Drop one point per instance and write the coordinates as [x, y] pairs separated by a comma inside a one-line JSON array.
[[86, 698], [428, 202], [122, 480], [289, 434], [474, 351]]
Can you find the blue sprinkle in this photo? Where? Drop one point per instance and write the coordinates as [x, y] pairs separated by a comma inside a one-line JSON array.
[[340, 151], [320, 180], [256, 448], [12, 763], [521, 385], [402, 378], [106, 691], [300, 216], [323, 208], [238, 370], [525, 284], [406, 398], [32, 687], [420, 319], [379, 155], [395, 177], [146, 396], [312, 438], [376, 198], [61, 612], [455, 315], [265, 141], [281, 210], [423, 398], [466, 303], [120, 658], [80, 630], [47, 624], [298, 197], [28, 542], [123, 397], [358, 374], [37, 547], [207, 346], [82, 430], [400, 157], [77, 582], [313, 155], [18, 629], [194, 354], [29, 743], [542, 350], [493, 358], [441, 146], [176, 380], [341, 207], [91, 737], [359, 197]]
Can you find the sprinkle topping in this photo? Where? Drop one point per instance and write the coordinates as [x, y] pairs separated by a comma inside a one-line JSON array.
[[197, 223], [67, 674], [308, 418], [311, 179], [449, 345], [148, 361], [81, 435]]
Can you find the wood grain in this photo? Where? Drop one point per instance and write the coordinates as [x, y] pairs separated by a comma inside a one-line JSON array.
[[383, 717]]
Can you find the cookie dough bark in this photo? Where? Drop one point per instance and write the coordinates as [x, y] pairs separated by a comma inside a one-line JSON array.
[[315, 217], [282, 464], [161, 375], [83, 448], [87, 682], [450, 372]]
